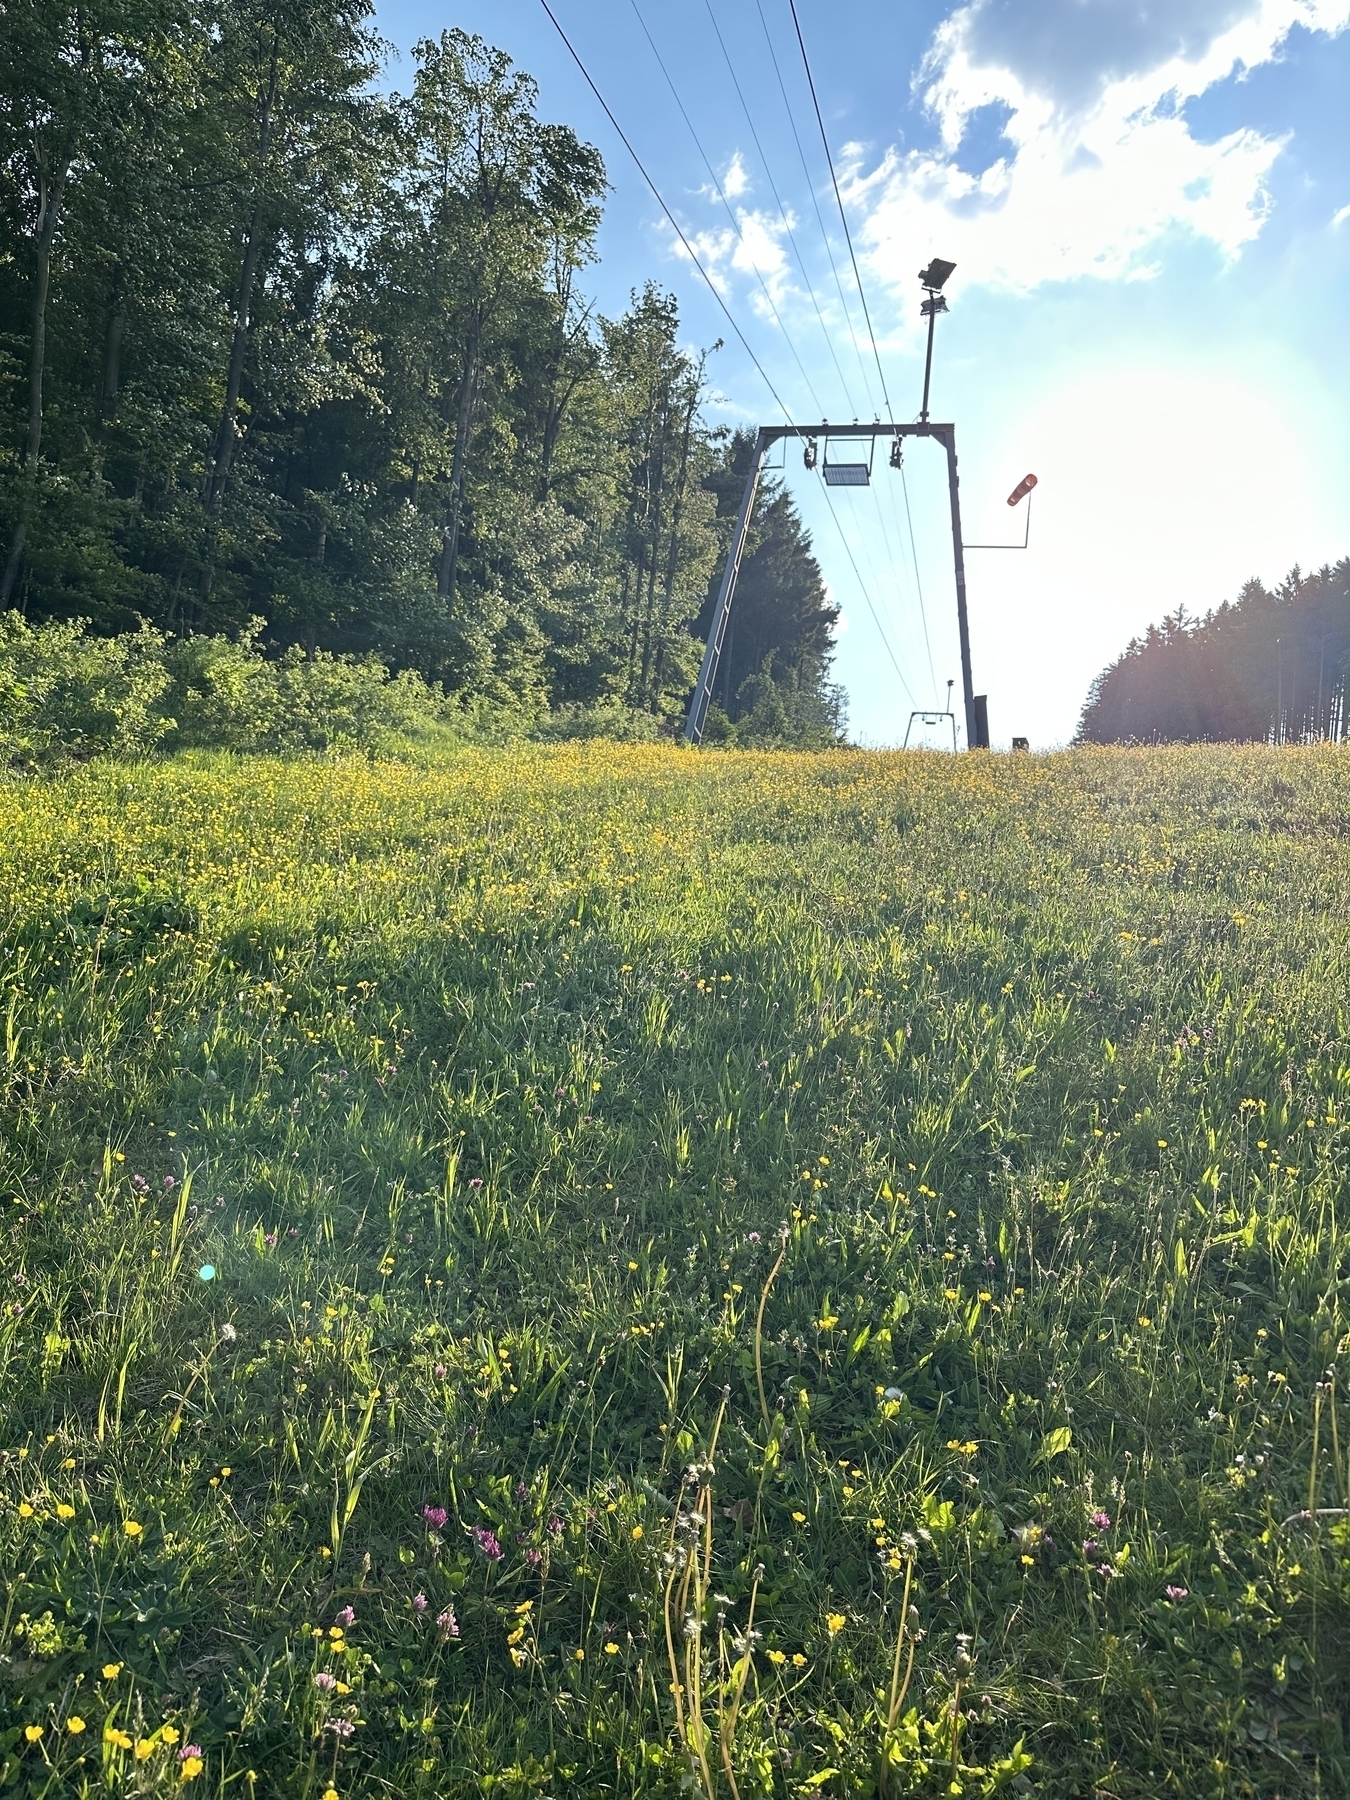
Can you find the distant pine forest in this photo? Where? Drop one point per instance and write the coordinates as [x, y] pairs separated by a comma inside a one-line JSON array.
[[286, 352], [1267, 668]]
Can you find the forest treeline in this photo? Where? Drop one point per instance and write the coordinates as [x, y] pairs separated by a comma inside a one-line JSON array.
[[289, 354], [1269, 667]]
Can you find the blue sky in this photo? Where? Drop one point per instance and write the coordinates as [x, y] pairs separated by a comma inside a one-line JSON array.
[[1148, 202]]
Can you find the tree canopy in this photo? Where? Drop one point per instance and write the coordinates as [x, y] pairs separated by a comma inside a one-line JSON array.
[[277, 344], [1268, 667]]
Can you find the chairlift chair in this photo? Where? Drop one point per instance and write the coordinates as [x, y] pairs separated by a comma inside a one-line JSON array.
[[930, 718], [838, 473]]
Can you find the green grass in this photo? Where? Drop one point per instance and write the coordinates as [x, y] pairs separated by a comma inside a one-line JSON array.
[[491, 1096]]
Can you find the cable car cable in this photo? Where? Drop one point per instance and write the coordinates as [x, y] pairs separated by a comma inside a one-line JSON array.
[[811, 189], [881, 630], [918, 584], [848, 235], [768, 171], [689, 249], [825, 236], [712, 175], [726, 204], [843, 216], [726, 310], [782, 210]]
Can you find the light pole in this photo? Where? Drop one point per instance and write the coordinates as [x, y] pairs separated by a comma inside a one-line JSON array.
[[933, 278]]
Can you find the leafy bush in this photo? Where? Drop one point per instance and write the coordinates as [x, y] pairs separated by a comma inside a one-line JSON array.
[[65, 693], [224, 694], [621, 724]]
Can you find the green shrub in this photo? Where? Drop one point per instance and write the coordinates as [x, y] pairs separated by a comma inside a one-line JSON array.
[[225, 695], [610, 719], [65, 693]]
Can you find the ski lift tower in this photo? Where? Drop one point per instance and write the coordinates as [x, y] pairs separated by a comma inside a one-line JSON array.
[[854, 469], [851, 469]]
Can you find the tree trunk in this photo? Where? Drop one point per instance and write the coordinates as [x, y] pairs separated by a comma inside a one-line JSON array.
[[110, 381], [648, 644], [219, 470], [447, 574], [311, 634], [49, 218]]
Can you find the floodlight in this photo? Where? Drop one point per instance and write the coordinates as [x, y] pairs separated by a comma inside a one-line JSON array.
[[936, 274]]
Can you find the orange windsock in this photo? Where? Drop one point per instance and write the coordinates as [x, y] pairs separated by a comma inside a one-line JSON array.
[[1022, 489]]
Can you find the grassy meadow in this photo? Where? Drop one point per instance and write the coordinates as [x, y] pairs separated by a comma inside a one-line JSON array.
[[607, 1271]]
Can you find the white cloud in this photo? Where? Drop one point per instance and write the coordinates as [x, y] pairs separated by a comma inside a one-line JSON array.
[[1339, 218], [1099, 163], [755, 249], [736, 180]]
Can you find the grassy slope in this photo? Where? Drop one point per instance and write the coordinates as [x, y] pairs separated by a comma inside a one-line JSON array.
[[494, 1087]]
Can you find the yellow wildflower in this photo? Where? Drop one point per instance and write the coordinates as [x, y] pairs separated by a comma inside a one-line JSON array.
[[835, 1623], [74, 1724]]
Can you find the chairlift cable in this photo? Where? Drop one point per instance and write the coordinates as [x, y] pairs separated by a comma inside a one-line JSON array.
[[726, 310], [782, 210], [916, 642], [656, 192], [918, 583], [891, 552], [811, 189], [726, 204], [876, 619], [839, 200], [735, 223], [773, 57]]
